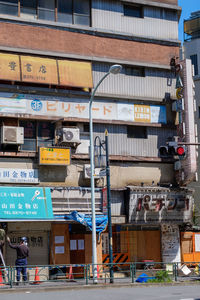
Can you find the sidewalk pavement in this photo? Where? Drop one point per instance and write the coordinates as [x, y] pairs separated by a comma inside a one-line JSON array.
[[81, 284]]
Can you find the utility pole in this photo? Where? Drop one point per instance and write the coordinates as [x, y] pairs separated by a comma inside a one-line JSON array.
[[109, 208]]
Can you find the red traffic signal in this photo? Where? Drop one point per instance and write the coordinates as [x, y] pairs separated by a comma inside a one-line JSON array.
[[180, 150], [172, 150]]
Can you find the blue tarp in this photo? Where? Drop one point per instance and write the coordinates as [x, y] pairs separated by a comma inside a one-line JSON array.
[[101, 220], [144, 278]]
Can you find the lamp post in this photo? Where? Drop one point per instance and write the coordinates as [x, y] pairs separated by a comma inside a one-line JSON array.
[[114, 69]]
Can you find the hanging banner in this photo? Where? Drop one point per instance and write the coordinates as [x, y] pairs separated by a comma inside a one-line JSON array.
[[25, 203]]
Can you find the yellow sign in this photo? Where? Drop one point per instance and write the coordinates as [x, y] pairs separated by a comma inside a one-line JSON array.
[[39, 69], [9, 67], [142, 113], [179, 93], [54, 156], [75, 73]]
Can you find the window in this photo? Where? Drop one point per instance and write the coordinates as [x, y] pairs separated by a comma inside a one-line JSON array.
[[28, 8], [45, 134], [137, 132], [29, 135], [46, 10], [194, 63], [199, 111], [74, 12], [161, 13], [65, 11], [37, 134], [135, 71], [133, 11], [86, 128], [9, 7], [81, 12]]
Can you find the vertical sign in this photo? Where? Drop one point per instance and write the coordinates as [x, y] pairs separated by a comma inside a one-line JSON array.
[[104, 200]]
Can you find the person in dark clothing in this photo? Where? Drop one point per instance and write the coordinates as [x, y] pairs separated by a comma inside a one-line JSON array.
[[22, 254], [1, 249]]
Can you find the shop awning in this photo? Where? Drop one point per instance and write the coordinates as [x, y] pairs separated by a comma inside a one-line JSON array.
[[75, 73], [37, 69], [9, 67]]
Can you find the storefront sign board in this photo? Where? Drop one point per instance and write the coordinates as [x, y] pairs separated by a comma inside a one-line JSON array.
[[54, 156], [19, 175], [25, 203], [79, 108]]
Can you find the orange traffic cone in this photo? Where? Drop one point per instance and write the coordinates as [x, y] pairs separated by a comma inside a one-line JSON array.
[[1, 278], [71, 276], [37, 277]]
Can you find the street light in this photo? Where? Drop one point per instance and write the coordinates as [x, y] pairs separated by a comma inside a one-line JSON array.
[[114, 69]]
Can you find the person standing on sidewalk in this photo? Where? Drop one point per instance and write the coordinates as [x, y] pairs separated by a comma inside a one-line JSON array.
[[21, 261]]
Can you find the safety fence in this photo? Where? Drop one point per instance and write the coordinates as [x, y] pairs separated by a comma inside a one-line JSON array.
[[146, 271]]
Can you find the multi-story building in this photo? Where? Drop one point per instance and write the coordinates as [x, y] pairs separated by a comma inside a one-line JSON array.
[[52, 53], [191, 51]]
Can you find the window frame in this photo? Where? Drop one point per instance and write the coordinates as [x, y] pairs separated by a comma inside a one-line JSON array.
[[127, 8], [37, 140], [129, 71], [194, 61], [133, 132], [40, 9]]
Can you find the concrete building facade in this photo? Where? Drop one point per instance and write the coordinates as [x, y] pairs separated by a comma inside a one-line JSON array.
[[52, 53]]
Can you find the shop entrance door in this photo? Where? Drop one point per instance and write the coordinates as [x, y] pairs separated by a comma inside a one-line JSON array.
[[77, 253], [59, 244]]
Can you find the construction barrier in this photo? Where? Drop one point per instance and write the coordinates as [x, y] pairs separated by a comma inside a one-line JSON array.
[[106, 273]]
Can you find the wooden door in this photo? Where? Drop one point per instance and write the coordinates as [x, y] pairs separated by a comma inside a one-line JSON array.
[[77, 253], [77, 248], [60, 244]]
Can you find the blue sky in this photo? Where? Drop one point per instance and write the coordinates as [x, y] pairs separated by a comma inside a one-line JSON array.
[[188, 6]]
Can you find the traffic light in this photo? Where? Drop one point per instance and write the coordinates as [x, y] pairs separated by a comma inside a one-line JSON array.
[[172, 150]]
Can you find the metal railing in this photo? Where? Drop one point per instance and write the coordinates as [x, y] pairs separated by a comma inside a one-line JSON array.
[[82, 274]]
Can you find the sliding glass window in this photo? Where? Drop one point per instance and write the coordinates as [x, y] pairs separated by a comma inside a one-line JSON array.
[[46, 10], [9, 7], [64, 11], [81, 12]]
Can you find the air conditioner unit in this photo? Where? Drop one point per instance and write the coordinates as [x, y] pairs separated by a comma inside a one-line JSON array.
[[68, 135], [12, 135], [98, 172]]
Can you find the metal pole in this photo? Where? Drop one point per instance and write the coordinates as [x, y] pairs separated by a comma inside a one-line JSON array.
[[109, 208], [94, 249]]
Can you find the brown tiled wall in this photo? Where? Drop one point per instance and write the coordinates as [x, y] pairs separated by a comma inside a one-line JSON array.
[[46, 39]]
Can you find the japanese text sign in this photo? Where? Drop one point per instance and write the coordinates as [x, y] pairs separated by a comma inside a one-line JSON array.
[[54, 156], [37, 69], [19, 175], [9, 67], [25, 203]]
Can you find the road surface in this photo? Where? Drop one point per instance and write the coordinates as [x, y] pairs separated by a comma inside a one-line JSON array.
[[190, 292]]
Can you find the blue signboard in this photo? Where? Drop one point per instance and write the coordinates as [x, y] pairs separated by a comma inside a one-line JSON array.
[[25, 203]]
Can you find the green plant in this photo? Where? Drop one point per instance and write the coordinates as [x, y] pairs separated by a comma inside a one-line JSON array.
[[161, 276]]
